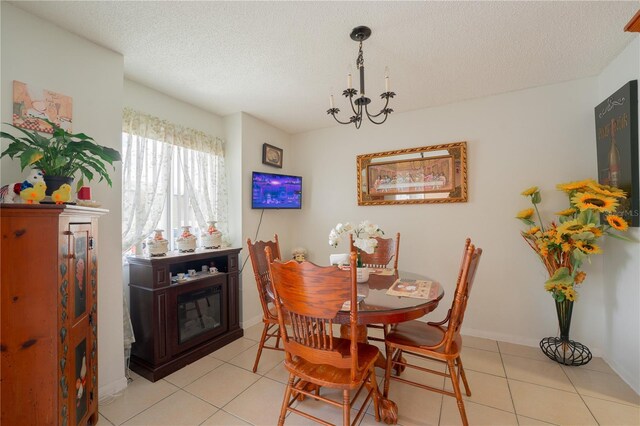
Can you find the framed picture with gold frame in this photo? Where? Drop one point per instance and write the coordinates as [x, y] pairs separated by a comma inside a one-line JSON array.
[[429, 174], [271, 155]]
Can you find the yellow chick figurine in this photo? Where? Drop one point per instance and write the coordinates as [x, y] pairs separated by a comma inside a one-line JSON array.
[[62, 194], [35, 194]]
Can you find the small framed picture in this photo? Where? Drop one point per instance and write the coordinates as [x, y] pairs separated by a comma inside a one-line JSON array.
[[271, 155]]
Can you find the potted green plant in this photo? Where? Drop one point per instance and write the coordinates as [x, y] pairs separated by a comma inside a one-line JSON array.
[[61, 156]]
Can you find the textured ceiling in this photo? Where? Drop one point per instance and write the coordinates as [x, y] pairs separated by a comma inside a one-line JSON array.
[[279, 61]]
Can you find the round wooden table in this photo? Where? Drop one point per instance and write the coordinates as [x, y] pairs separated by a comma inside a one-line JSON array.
[[378, 307]]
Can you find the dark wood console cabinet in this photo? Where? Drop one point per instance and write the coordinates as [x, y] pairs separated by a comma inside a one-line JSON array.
[[176, 323]]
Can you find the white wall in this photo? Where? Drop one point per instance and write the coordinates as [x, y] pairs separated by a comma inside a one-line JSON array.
[[43, 55], [622, 260], [541, 136], [255, 132], [150, 101]]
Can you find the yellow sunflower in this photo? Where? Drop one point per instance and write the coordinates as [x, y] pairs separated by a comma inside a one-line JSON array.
[[607, 190], [579, 278], [598, 202], [570, 227], [542, 248], [549, 286], [533, 230], [574, 186], [617, 222], [597, 232], [567, 212], [570, 293], [530, 191], [525, 214], [566, 247], [588, 248]]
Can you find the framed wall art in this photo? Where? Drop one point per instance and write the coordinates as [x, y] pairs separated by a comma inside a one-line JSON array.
[[31, 104], [271, 155], [617, 147], [429, 174]]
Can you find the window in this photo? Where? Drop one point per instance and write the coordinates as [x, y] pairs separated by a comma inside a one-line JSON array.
[[172, 177]]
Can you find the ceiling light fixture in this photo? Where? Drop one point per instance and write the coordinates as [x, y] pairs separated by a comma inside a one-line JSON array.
[[360, 34]]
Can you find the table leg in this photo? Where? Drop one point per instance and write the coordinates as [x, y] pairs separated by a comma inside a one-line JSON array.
[[388, 408], [345, 333]]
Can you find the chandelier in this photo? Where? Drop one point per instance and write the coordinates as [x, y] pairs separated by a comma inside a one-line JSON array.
[[359, 106]]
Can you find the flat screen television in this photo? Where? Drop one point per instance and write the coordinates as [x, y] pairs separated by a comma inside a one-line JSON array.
[[272, 191]]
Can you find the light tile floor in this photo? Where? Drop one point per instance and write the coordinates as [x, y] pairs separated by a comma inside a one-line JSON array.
[[510, 385]]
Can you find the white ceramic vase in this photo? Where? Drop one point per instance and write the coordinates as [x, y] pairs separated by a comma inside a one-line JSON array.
[[362, 275]]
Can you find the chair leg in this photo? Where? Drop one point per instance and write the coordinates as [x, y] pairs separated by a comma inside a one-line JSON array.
[[456, 389], [260, 346], [277, 336], [464, 377], [376, 392], [387, 370], [346, 408], [285, 402]]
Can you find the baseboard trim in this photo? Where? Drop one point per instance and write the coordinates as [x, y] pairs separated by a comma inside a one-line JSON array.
[[251, 321], [624, 375], [112, 388], [518, 340]]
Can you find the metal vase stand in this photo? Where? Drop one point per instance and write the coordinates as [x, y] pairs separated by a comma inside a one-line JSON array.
[[562, 349]]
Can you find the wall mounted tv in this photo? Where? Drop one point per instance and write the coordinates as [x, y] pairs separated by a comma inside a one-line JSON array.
[[272, 191]]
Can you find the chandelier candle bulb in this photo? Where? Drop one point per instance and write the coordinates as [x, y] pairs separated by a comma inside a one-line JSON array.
[[349, 82], [386, 79]]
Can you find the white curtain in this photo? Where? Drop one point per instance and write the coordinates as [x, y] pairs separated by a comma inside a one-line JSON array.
[[149, 146]]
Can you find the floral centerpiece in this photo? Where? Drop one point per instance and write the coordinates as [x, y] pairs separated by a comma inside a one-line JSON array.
[[564, 245], [364, 236]]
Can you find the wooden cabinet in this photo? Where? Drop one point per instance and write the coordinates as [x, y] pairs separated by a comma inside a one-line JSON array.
[[49, 343], [176, 323]]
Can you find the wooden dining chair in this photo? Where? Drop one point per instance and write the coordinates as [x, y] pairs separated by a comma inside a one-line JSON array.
[[265, 292], [308, 297], [386, 251], [438, 341]]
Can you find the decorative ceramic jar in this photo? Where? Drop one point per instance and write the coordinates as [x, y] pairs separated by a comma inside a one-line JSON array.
[[157, 245], [186, 242], [211, 238]]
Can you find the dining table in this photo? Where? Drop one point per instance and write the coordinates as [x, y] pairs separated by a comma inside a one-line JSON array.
[[375, 306]]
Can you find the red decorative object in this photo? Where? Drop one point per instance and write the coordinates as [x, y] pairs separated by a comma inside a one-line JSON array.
[[84, 193]]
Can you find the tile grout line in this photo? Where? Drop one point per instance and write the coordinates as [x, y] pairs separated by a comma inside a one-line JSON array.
[[149, 407], [246, 389], [504, 369], [580, 395], [444, 384], [222, 407]]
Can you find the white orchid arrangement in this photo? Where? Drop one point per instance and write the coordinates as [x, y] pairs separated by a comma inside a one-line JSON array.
[[364, 236]]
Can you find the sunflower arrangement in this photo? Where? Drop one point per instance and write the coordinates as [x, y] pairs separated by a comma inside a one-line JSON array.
[[564, 245]]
